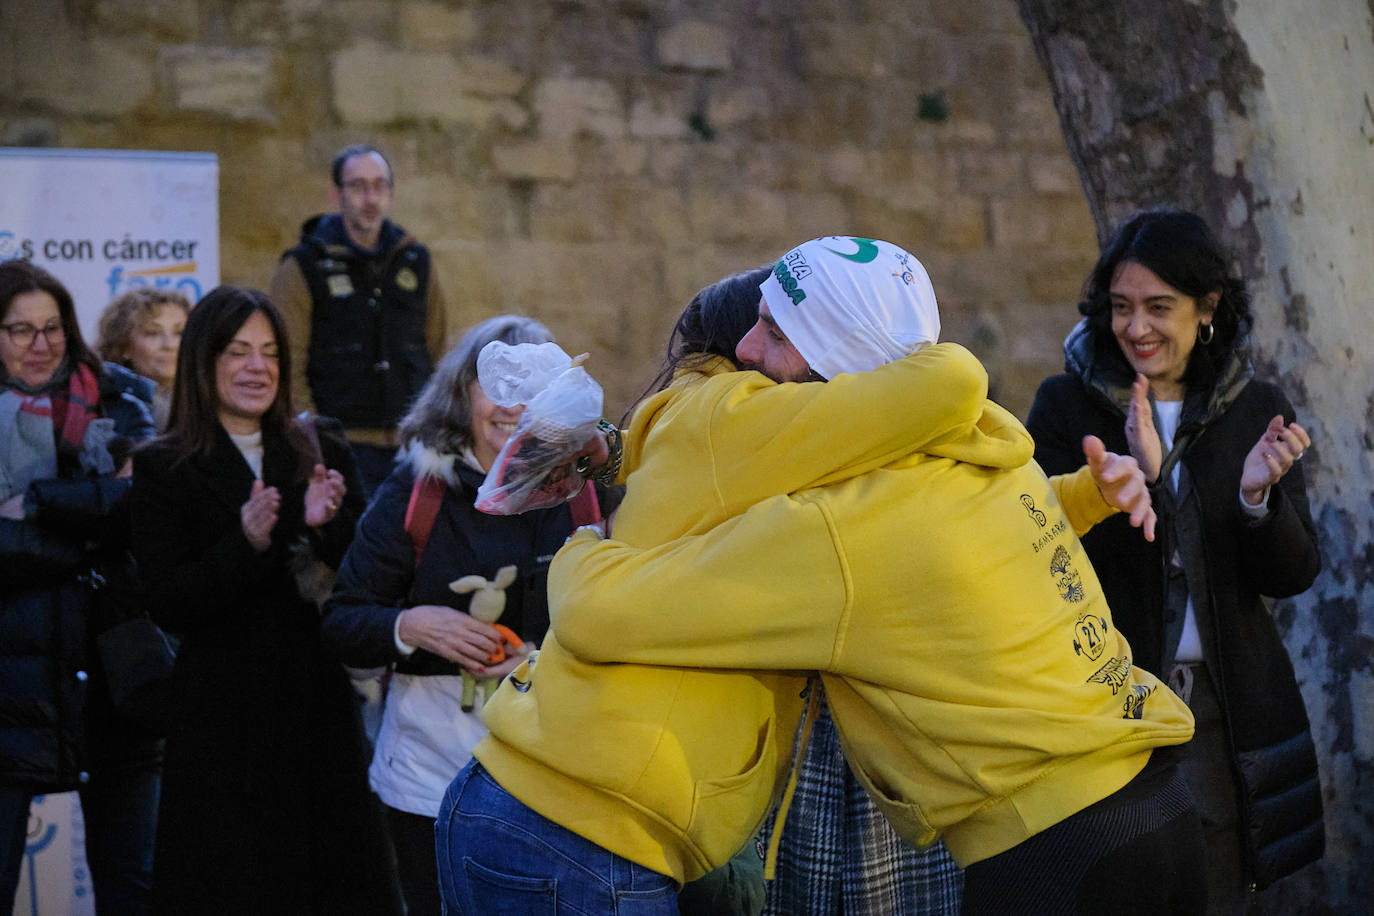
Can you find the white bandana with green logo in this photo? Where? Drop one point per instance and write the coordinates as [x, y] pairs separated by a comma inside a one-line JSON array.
[[852, 304]]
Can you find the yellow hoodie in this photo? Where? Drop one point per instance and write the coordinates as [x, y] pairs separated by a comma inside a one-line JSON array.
[[645, 761], [674, 768], [971, 665]]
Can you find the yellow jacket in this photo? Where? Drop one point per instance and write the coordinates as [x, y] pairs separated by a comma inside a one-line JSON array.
[[979, 687], [674, 768]]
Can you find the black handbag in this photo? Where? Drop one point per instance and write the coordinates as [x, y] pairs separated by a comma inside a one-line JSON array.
[[138, 660], [136, 655]]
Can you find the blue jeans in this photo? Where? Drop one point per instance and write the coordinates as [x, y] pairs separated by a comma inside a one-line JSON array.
[[498, 857], [119, 807]]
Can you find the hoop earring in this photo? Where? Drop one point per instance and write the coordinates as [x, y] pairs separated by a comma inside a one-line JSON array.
[[1211, 332]]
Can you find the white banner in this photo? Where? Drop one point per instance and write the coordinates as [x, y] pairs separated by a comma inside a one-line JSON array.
[[102, 222], [53, 878], [105, 221]]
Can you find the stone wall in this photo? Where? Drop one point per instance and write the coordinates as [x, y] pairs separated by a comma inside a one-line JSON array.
[[594, 162]]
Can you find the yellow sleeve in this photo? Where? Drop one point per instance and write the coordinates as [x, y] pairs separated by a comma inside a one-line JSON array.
[[1082, 501], [291, 296], [763, 439], [764, 590]]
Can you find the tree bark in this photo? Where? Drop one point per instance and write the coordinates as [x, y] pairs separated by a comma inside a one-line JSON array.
[[1258, 116]]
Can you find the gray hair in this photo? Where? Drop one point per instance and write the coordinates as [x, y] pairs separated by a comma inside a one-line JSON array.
[[441, 417]]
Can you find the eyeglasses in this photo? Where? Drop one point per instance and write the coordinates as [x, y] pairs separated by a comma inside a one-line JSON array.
[[24, 334], [362, 185]]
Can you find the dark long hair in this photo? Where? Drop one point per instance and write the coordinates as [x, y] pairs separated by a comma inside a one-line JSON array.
[[1179, 248], [194, 421], [712, 324], [441, 417], [21, 276]]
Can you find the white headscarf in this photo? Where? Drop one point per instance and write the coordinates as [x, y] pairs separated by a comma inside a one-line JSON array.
[[851, 304]]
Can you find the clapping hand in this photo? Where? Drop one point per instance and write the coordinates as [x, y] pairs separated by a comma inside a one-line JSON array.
[[1270, 458], [1121, 483], [258, 515], [1141, 436], [323, 496]]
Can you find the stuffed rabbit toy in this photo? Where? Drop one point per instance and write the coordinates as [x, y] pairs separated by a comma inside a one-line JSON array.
[[487, 603]]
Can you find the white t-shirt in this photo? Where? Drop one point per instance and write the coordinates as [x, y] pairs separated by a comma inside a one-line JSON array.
[[1190, 643], [424, 740], [250, 446]]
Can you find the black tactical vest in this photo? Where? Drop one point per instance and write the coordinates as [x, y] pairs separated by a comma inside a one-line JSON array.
[[368, 356]]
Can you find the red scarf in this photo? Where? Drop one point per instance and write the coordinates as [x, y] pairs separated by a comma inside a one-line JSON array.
[[74, 409]]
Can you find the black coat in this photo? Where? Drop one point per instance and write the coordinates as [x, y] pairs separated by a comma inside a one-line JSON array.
[[265, 805], [56, 720], [1274, 758]]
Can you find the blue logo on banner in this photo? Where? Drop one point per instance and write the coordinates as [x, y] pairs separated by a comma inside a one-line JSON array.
[[32, 848]]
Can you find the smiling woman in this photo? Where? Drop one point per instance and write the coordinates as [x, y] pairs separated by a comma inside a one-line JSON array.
[[246, 376], [394, 606], [266, 744], [141, 330], [66, 420], [34, 341], [1160, 365], [1157, 325]]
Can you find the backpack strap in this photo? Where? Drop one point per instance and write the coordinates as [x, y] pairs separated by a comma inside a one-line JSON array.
[[425, 497], [428, 493], [586, 510]]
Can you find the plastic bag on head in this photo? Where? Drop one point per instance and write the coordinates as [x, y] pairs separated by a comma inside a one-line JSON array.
[[534, 469]]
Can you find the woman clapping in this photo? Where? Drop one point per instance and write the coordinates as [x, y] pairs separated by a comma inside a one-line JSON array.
[[1160, 365], [265, 806]]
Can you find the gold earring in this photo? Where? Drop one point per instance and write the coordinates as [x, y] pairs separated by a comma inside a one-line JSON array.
[[1211, 332]]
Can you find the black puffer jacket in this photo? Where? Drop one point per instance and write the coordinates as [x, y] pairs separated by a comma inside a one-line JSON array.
[[56, 720], [1275, 761], [378, 578]]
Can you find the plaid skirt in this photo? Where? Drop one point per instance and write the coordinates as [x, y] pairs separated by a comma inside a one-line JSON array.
[[838, 855]]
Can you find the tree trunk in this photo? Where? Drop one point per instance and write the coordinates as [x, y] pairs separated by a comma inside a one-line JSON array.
[[1258, 116]]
